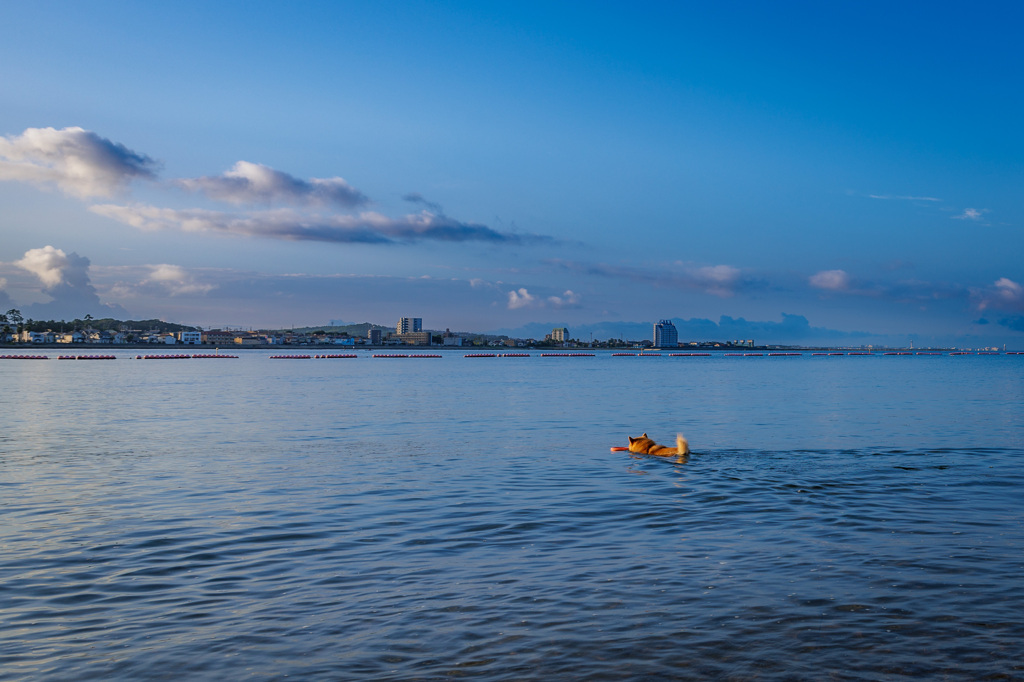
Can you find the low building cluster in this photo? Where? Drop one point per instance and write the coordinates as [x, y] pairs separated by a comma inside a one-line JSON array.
[[93, 336], [408, 332]]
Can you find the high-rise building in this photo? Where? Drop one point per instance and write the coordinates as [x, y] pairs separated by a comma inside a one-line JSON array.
[[409, 330], [665, 334], [560, 334], [409, 325]]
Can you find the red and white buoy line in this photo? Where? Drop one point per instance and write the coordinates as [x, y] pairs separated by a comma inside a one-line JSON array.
[[496, 355], [567, 355], [406, 355], [219, 356]]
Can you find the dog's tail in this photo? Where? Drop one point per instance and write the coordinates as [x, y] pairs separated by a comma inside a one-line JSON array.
[[682, 447]]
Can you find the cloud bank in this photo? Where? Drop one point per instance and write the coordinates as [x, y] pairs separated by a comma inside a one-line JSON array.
[[253, 183], [83, 164], [75, 161], [719, 280], [366, 228]]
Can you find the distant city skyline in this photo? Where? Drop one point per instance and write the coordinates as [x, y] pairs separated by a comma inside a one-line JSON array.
[[788, 172]]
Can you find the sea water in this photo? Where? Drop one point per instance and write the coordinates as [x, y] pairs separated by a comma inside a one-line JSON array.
[[843, 517]]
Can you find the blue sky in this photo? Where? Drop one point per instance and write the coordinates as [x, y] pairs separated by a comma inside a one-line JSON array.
[[853, 167]]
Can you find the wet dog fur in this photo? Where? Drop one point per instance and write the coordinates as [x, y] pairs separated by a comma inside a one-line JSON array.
[[646, 446]]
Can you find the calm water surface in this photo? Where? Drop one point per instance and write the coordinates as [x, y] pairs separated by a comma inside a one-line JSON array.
[[851, 518]]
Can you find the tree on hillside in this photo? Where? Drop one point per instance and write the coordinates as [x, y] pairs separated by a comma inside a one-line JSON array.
[[14, 317]]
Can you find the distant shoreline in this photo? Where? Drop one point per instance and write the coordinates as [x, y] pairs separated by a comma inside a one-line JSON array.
[[330, 348]]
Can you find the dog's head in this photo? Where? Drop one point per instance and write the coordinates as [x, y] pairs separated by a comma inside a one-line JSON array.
[[641, 444]]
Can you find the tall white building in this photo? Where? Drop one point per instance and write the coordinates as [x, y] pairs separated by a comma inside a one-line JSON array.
[[408, 325], [665, 334]]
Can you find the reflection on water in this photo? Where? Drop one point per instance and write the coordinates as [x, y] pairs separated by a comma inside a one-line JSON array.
[[457, 519]]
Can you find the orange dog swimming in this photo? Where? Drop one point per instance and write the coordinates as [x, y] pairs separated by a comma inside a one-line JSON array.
[[646, 446]]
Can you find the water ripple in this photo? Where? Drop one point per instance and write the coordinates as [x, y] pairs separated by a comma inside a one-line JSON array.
[[497, 545]]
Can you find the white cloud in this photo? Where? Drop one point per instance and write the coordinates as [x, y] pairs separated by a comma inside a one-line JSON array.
[[830, 280], [719, 280], [254, 183], [78, 162], [65, 279], [292, 225], [47, 263], [1004, 294], [520, 299], [176, 280], [567, 300], [971, 214], [901, 198], [1009, 289]]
